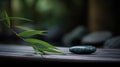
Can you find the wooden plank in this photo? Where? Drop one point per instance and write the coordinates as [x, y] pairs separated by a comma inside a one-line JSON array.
[[22, 52]]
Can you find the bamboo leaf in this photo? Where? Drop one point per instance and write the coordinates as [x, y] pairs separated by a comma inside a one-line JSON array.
[[38, 45], [43, 49], [25, 28], [38, 50], [7, 19], [31, 33], [20, 18], [50, 50], [16, 18], [40, 42]]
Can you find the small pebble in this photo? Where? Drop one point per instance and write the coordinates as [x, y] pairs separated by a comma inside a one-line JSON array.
[[82, 49], [113, 43], [96, 37]]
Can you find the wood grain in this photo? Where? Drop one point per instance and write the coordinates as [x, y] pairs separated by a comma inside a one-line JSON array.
[[26, 53]]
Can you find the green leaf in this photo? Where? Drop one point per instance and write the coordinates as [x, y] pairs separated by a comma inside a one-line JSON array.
[[20, 18], [50, 50], [31, 33], [25, 28], [16, 18], [38, 50], [43, 50], [7, 19], [40, 42]]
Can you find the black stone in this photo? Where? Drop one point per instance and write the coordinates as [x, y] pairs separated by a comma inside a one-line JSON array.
[[75, 36], [82, 49], [113, 43], [97, 38]]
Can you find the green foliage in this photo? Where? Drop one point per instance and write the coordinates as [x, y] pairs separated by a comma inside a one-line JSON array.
[[25, 28], [7, 19], [36, 41], [39, 46], [20, 18], [4, 16], [43, 45], [31, 33]]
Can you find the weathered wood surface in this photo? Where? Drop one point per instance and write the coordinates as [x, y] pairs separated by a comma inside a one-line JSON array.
[[23, 53]]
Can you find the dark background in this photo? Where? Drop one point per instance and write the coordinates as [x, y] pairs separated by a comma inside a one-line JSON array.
[[62, 18]]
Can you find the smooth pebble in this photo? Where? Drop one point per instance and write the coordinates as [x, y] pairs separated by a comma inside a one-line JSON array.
[[82, 49]]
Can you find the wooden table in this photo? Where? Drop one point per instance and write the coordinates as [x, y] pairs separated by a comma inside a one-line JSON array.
[[22, 53]]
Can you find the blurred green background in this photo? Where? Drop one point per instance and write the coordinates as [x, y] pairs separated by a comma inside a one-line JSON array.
[[63, 19]]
